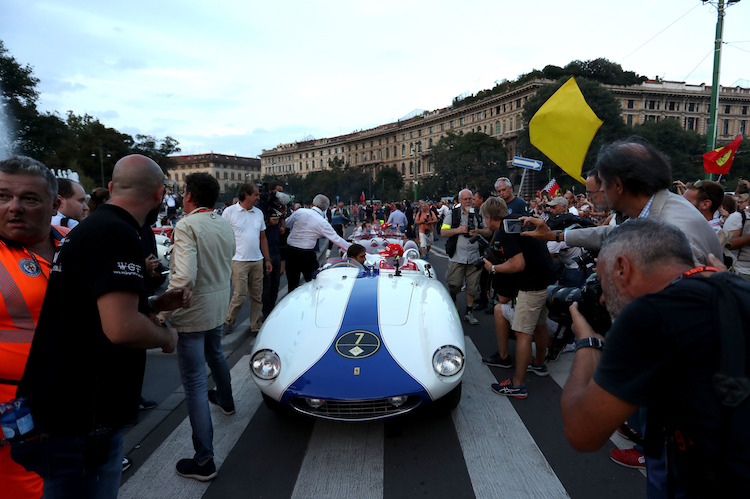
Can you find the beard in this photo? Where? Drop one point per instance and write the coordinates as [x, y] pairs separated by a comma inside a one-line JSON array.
[[613, 299], [152, 216]]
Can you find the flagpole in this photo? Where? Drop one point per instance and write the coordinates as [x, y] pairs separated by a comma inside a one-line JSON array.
[[713, 113]]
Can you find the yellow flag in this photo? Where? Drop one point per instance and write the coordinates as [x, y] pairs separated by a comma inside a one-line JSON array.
[[564, 127]]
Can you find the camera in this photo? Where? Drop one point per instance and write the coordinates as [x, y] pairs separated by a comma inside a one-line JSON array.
[[560, 298], [491, 253], [584, 259], [471, 224]]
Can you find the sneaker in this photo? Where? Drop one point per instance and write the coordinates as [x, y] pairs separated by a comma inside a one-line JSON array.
[[189, 468], [495, 360], [212, 397], [630, 458], [328, 253], [126, 462], [506, 388], [538, 370], [470, 318], [146, 405]]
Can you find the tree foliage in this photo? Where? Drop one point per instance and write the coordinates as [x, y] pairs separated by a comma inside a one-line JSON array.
[[600, 70], [472, 160], [79, 143]]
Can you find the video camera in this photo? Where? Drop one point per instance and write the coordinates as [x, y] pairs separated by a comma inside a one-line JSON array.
[[273, 202]]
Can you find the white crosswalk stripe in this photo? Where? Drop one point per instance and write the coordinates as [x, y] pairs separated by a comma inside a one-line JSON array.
[[347, 460]]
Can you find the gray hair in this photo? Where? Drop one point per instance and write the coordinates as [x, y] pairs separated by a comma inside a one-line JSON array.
[[322, 202], [494, 208], [23, 165], [649, 243]]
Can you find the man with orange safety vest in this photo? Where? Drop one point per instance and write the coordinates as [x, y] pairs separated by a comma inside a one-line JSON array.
[[28, 199]]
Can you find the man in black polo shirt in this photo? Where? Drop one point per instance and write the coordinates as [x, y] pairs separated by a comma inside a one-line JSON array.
[[85, 369]]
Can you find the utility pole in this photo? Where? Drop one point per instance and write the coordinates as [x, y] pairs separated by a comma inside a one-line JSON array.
[[713, 113]]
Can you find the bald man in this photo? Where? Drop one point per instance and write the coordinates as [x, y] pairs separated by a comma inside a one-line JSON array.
[[85, 369]]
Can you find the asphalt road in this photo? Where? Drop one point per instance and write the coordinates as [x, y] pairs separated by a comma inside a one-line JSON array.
[[490, 446]]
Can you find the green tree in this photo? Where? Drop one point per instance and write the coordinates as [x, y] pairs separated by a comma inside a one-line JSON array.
[[158, 150], [388, 184], [601, 101], [683, 147], [472, 160]]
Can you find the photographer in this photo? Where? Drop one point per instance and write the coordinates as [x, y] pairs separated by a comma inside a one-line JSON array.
[[459, 226], [529, 260], [664, 352]]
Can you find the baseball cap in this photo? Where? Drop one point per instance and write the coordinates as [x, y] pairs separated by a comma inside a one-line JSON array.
[[558, 201]]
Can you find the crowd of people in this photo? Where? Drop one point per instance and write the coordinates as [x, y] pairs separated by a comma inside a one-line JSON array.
[[81, 272]]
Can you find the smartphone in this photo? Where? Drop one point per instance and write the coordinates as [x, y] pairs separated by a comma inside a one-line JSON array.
[[513, 226]]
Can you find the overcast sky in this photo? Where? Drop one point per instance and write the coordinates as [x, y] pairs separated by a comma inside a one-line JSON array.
[[239, 76]]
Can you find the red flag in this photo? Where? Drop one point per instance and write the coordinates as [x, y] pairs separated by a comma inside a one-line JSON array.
[[362, 197], [719, 160], [553, 188]]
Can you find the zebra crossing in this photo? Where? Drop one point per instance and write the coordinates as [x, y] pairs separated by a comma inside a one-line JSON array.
[[490, 446]]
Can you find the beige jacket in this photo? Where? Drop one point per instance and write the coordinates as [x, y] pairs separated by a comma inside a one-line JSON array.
[[201, 260]]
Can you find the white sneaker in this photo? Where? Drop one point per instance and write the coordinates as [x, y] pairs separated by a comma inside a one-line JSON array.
[[328, 253], [470, 318]]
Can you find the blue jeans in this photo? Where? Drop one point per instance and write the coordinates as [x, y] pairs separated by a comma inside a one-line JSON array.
[[194, 350], [75, 467]]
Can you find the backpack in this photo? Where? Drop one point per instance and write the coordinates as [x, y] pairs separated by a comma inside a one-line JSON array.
[[729, 296]]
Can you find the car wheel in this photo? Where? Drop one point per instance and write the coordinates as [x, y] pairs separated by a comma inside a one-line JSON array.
[[451, 399]]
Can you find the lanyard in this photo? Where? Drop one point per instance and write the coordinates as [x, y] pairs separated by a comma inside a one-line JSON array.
[[698, 270]]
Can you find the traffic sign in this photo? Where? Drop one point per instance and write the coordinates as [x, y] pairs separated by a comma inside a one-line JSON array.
[[532, 164]]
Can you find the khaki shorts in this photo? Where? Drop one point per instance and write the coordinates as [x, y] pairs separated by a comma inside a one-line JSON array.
[[457, 273], [425, 240], [531, 310]]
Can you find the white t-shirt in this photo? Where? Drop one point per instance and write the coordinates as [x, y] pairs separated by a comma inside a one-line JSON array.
[[247, 225], [734, 222]]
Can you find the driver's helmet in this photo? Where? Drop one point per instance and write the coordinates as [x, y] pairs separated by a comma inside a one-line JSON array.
[[393, 249]]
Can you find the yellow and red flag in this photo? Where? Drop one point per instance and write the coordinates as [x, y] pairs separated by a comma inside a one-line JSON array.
[[564, 127], [719, 160]]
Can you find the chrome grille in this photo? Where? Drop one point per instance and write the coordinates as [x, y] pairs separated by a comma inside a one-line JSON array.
[[355, 410]]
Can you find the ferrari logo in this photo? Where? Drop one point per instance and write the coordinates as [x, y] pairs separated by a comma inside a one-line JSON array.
[[356, 371]]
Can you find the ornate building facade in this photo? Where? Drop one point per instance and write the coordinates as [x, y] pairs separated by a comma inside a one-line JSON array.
[[230, 171], [406, 144]]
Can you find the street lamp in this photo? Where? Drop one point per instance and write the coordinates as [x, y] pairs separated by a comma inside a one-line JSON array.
[[101, 162], [417, 145]]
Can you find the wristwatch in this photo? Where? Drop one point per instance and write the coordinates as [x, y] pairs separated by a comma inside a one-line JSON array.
[[557, 236], [492, 270], [589, 343]]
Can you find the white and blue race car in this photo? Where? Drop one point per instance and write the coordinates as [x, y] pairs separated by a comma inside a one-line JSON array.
[[363, 342]]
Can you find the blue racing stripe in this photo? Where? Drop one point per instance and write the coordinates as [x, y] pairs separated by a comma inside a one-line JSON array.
[[357, 376]]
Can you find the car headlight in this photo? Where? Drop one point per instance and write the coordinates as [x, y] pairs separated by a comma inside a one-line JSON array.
[[448, 360], [265, 364]]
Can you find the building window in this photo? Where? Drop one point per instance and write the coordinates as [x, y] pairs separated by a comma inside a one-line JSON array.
[[411, 134], [744, 109], [726, 127], [403, 169], [691, 106], [403, 150], [411, 168], [461, 121], [690, 124], [432, 128], [727, 109], [630, 104], [743, 127], [451, 123], [387, 152], [430, 144], [442, 127]]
